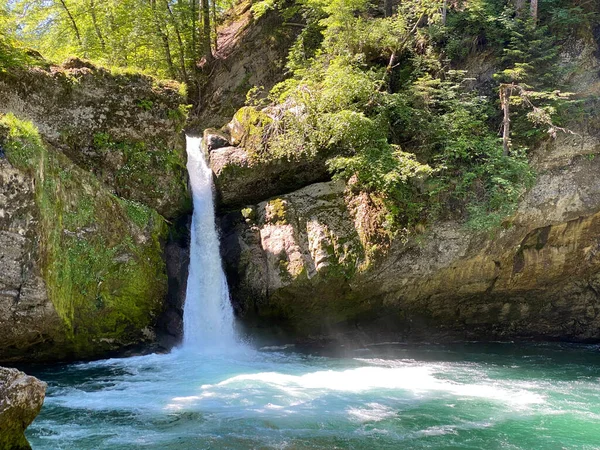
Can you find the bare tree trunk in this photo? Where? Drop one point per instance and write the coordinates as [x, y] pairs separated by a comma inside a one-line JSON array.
[[444, 12], [206, 31], [96, 27], [214, 21], [179, 41], [505, 94], [387, 6], [73, 23], [165, 40], [534, 10], [194, 23]]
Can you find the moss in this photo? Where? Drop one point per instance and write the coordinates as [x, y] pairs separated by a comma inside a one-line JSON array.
[[276, 211], [147, 175], [250, 130], [145, 104], [284, 272], [101, 256], [179, 116], [248, 213]]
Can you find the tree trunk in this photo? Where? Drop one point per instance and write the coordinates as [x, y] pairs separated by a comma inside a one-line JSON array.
[[194, 50], [96, 27], [214, 21], [165, 40], [179, 41], [505, 94], [206, 31], [387, 4], [534, 10], [73, 23], [444, 12]]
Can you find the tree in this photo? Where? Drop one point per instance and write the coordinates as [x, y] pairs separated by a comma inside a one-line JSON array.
[[73, 23], [206, 31], [164, 37], [534, 10]]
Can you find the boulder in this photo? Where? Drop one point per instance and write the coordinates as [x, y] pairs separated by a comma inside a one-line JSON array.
[[242, 180], [21, 399]]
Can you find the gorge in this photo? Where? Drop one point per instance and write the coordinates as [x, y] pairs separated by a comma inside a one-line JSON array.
[[338, 224]]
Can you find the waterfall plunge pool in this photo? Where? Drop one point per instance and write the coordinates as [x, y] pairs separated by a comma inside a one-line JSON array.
[[470, 396]]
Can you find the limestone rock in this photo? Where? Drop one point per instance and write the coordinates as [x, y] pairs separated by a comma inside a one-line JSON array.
[[240, 180], [301, 265], [251, 52], [125, 129], [27, 316], [81, 271], [21, 399]]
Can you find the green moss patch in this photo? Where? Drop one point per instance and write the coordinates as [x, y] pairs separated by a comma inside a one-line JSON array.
[[150, 175]]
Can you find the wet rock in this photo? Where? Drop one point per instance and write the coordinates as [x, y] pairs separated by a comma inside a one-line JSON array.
[[21, 399], [177, 255]]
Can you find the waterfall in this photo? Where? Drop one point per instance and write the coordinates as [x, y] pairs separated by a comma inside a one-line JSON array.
[[208, 315]]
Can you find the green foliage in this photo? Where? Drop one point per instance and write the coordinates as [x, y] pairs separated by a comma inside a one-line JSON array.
[[261, 7], [376, 96], [145, 104], [158, 37], [101, 256], [12, 54]]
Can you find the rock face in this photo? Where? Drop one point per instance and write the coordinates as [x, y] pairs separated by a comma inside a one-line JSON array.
[[25, 311], [300, 262], [125, 129], [251, 52], [82, 270], [21, 398], [241, 180], [87, 159], [306, 262]]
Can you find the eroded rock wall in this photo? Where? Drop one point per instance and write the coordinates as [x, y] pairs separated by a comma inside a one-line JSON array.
[[93, 205]]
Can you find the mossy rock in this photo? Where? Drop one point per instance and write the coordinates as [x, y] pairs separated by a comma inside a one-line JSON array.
[[100, 256], [247, 128], [124, 127]]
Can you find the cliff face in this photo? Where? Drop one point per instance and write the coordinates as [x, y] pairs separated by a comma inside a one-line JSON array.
[[94, 203], [251, 51], [123, 128], [310, 262], [91, 164]]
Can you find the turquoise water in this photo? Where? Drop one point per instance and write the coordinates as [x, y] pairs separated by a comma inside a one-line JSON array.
[[469, 396]]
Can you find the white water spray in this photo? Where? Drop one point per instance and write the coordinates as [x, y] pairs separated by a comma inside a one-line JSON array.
[[208, 315]]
